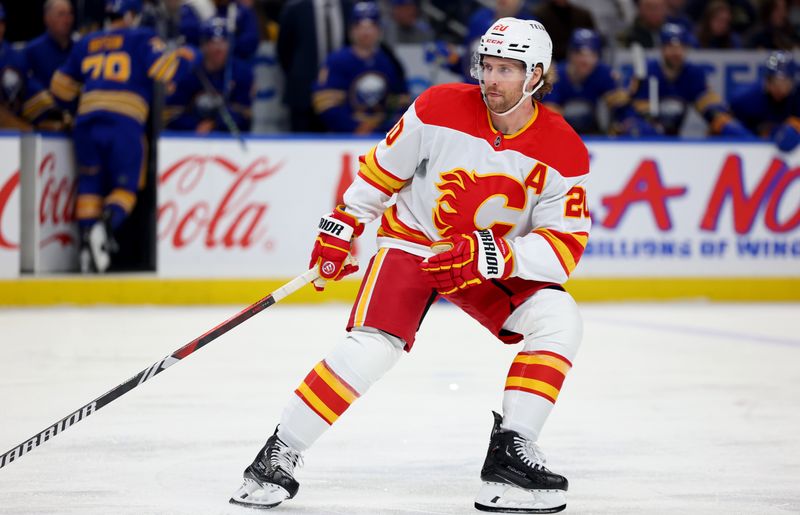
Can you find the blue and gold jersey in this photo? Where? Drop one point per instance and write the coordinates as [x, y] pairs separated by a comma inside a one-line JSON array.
[[113, 71], [578, 101], [760, 113], [190, 103], [22, 95], [676, 94], [359, 95]]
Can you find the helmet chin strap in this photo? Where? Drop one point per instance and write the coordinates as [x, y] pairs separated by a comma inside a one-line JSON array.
[[525, 96]]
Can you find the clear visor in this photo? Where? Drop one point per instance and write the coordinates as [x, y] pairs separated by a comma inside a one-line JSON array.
[[496, 69]]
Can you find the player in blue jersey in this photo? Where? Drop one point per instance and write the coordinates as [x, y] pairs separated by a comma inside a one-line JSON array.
[[680, 84], [771, 109], [584, 83], [24, 102], [113, 71], [359, 89], [192, 108]]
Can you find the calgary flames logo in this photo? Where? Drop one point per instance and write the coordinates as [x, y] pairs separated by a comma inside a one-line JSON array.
[[463, 195]]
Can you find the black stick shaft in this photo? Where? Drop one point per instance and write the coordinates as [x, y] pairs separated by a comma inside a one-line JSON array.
[[156, 368]]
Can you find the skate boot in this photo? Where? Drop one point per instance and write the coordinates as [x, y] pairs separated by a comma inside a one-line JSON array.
[[97, 245], [269, 480], [515, 479]]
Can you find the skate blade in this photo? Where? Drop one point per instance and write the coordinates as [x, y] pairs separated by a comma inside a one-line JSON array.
[[504, 498], [254, 495]]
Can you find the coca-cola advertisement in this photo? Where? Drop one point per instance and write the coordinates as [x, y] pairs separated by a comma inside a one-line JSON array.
[[228, 211], [50, 238], [659, 209], [9, 206]]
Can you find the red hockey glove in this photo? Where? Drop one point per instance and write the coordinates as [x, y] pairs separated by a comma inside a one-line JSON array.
[[467, 260], [332, 247]]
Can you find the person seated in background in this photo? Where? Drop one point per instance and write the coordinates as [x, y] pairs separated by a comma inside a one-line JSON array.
[[24, 102], [562, 18], [239, 19], [646, 27], [771, 108], [193, 106], [45, 54], [360, 89], [405, 24], [716, 30], [775, 30], [583, 83], [673, 84]]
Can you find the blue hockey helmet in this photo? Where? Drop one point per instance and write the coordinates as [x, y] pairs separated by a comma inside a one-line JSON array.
[[365, 11], [214, 28], [120, 7], [781, 63], [585, 38], [674, 33]]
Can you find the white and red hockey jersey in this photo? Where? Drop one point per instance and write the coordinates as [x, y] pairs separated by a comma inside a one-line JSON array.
[[451, 172]]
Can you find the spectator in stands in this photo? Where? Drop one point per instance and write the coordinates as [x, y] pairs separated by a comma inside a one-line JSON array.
[[561, 18], [679, 84], [611, 16], [743, 13], [241, 23], [584, 83], [309, 32], [164, 17], [45, 54], [774, 31], [24, 102], [645, 29], [360, 90], [192, 107], [715, 28], [771, 108], [406, 25]]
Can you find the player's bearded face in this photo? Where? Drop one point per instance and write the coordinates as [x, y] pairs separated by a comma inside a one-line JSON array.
[[503, 79]]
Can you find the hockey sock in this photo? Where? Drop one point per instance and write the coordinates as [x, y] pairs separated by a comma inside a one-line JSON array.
[[532, 387], [119, 204], [335, 383]]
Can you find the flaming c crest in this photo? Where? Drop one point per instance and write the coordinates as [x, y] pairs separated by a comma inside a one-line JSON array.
[[463, 194]]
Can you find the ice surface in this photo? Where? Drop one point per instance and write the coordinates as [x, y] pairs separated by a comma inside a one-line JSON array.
[[691, 408]]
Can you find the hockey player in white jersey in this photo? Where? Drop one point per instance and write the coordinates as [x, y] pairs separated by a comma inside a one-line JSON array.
[[490, 212]]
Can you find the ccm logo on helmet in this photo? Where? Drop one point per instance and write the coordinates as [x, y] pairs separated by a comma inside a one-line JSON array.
[[494, 41]]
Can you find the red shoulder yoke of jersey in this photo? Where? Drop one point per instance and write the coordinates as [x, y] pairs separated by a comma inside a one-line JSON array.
[[549, 139]]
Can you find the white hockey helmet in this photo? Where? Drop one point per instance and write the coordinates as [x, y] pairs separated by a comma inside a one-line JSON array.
[[524, 40]]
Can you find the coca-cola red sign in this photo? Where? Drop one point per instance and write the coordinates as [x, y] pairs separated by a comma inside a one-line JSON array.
[[233, 216], [7, 189], [56, 202]]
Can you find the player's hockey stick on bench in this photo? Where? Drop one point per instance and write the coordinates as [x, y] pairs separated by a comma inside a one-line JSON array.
[[157, 367]]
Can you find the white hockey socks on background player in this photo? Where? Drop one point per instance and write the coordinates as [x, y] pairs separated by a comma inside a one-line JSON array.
[[334, 383], [552, 327]]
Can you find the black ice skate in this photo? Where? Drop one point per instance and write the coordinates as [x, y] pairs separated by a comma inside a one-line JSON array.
[[269, 480], [515, 479]]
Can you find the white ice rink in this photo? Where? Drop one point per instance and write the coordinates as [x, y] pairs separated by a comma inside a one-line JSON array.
[[670, 408]]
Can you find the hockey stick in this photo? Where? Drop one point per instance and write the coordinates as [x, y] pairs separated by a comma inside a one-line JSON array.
[[224, 113], [157, 367]]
